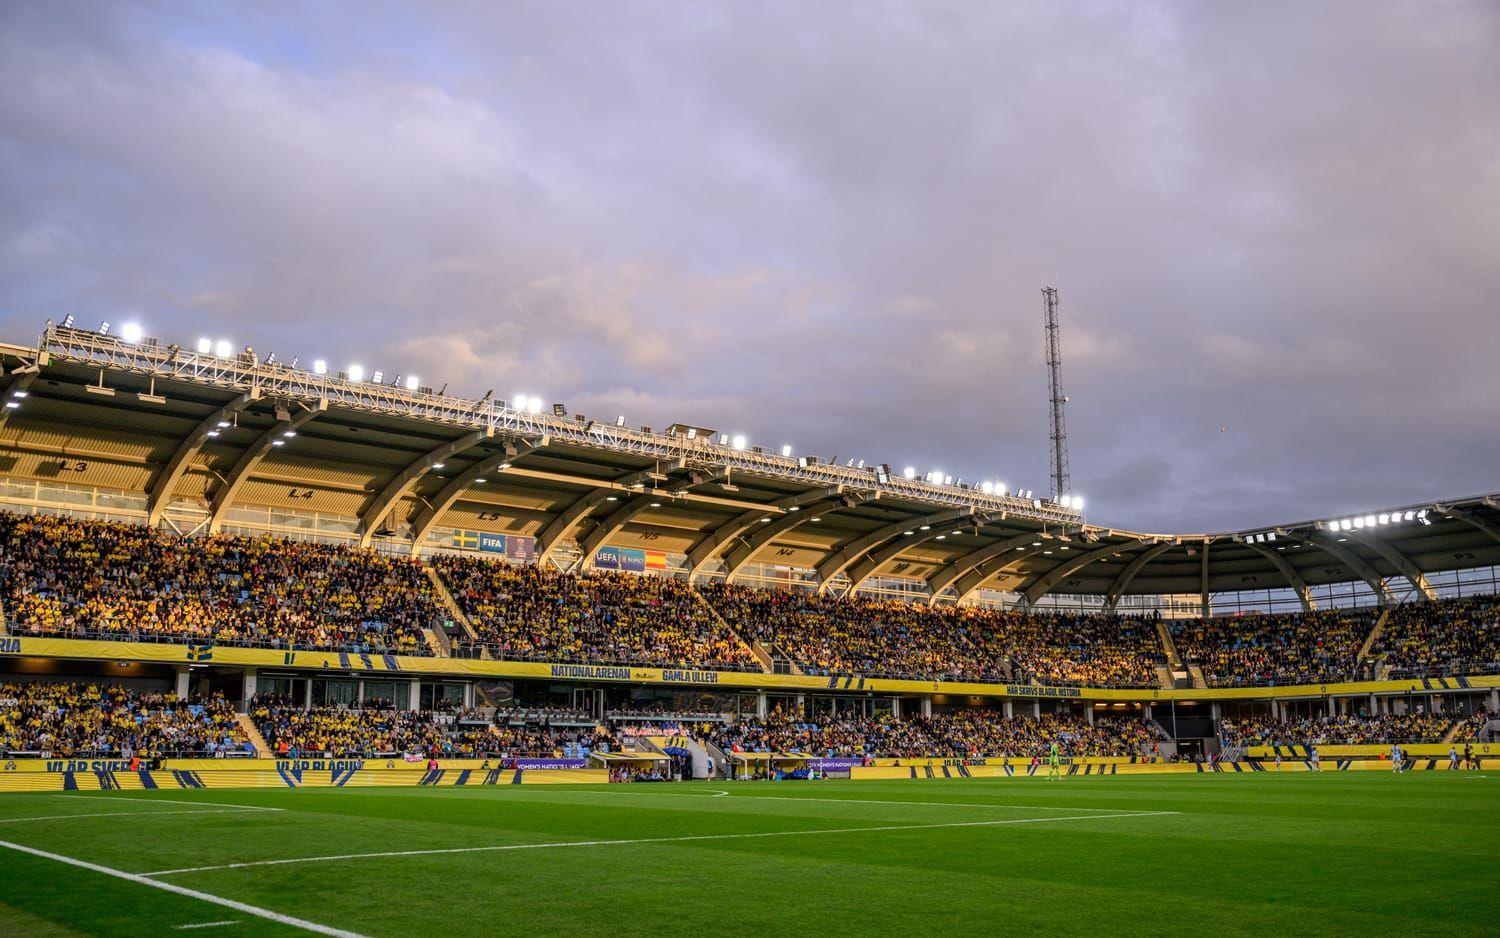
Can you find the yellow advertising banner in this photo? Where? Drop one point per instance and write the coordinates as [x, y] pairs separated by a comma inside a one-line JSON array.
[[209, 654]]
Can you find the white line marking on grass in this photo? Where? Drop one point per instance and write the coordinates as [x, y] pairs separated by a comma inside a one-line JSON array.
[[64, 817], [184, 891], [650, 840], [216, 804], [227, 921], [923, 804]]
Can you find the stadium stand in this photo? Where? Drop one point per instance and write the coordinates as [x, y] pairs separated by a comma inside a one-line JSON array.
[[1340, 730], [1456, 636], [529, 613], [1262, 650], [105, 580], [960, 734], [893, 638], [88, 720], [377, 730]]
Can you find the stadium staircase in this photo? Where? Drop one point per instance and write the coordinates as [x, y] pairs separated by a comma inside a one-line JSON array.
[[1164, 677], [451, 605], [720, 757], [700, 753], [252, 732], [1197, 674], [1364, 650], [438, 641], [755, 647], [1169, 646]]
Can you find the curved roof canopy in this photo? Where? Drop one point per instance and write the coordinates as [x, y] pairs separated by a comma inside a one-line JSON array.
[[184, 427]]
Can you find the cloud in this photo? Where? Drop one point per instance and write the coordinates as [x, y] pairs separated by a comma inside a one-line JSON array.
[[820, 224]]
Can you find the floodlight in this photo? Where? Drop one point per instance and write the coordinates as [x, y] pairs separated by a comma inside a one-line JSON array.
[[438, 465], [909, 472], [1383, 518], [620, 421], [786, 450], [1411, 516], [1369, 521], [1078, 503], [413, 382], [534, 406], [223, 348], [205, 346], [131, 332], [987, 488], [68, 321], [739, 441], [320, 367], [104, 327], [356, 372], [378, 377]]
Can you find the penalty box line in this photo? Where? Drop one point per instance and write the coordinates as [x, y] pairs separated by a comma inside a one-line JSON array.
[[689, 838], [140, 880]]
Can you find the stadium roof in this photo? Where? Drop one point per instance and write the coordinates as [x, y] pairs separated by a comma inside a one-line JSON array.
[[212, 432]]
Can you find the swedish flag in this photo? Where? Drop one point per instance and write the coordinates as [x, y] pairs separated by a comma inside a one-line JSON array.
[[466, 539]]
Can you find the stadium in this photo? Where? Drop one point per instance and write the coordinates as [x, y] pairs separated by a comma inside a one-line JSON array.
[[292, 645], [237, 581]]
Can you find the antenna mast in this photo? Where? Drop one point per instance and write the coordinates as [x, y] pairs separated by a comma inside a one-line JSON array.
[[1061, 482]]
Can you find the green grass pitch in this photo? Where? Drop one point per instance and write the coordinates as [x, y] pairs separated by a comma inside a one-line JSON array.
[[1339, 853]]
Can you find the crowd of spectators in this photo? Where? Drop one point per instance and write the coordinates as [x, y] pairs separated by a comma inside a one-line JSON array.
[[88, 720], [1474, 728], [68, 577], [895, 638], [1351, 729], [1453, 636], [529, 612], [1382, 729], [377, 729], [956, 734], [1264, 650]]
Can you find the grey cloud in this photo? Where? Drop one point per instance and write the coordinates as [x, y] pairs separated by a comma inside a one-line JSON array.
[[824, 224]]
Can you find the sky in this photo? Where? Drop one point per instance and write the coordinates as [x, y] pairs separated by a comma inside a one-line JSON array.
[[1274, 227]]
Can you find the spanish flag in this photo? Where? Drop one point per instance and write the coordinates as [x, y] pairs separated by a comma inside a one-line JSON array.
[[656, 560]]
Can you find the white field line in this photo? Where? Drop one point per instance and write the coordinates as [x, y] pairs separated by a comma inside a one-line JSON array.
[[248, 909], [652, 840], [138, 814], [227, 921], [152, 799], [920, 804]]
